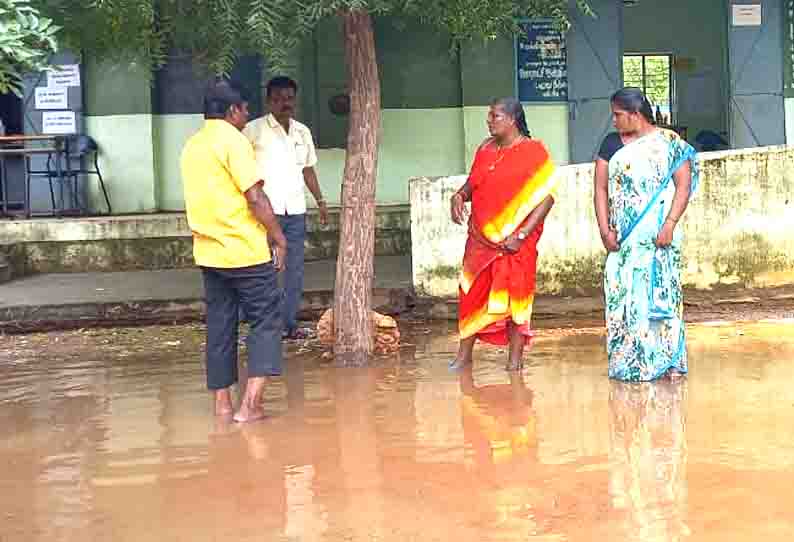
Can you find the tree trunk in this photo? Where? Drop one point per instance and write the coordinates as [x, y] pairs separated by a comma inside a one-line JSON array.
[[354, 266]]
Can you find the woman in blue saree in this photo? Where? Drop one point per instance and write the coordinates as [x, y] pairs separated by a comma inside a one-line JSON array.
[[644, 178]]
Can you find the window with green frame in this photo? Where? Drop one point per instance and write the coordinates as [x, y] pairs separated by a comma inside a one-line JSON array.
[[653, 73]]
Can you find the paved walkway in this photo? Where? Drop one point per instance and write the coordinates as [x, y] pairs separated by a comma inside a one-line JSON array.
[[59, 301], [67, 300]]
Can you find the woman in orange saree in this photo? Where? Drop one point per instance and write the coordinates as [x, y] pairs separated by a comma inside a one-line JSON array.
[[510, 188]]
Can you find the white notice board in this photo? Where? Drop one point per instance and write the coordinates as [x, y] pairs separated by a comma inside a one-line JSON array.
[[65, 75], [59, 122], [746, 15], [52, 98]]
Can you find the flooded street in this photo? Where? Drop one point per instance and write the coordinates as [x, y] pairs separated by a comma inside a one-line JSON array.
[[108, 435]]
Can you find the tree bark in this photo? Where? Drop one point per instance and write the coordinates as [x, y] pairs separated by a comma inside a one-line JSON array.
[[354, 267]]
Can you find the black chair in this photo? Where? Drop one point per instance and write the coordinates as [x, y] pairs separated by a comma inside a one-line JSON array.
[[711, 141], [84, 151]]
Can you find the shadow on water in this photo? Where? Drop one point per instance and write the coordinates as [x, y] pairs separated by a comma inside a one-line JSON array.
[[110, 437]]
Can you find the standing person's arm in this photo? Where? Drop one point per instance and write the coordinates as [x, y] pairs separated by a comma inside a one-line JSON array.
[[458, 203], [601, 200], [310, 178], [682, 178], [310, 175], [260, 207], [243, 168], [464, 193]]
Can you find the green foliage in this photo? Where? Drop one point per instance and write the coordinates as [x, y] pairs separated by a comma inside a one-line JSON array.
[[217, 32], [26, 41]]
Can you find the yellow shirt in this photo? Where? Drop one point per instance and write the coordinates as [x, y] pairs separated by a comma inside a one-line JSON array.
[[218, 166]]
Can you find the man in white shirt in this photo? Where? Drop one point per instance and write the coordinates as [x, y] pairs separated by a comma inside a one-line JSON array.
[[286, 157]]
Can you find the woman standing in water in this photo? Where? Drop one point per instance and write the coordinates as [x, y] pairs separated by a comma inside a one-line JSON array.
[[644, 178], [510, 190]]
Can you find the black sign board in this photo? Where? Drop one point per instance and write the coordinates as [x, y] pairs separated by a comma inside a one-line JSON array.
[[788, 50], [541, 62]]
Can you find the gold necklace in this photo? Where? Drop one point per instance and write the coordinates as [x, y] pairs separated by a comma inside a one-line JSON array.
[[504, 150]]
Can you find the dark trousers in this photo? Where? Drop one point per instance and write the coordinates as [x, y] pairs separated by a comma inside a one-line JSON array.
[[254, 290], [294, 228]]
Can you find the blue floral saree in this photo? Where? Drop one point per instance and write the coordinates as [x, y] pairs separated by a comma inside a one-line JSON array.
[[642, 283]]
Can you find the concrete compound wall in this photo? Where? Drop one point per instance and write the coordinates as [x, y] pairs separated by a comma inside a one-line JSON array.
[[738, 229]]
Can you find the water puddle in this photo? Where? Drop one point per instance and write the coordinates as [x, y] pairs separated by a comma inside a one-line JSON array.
[[109, 436]]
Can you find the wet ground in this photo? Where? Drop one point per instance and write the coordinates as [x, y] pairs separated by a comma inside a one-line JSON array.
[[110, 437]]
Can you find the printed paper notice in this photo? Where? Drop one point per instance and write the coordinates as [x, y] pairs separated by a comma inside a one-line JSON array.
[[59, 122], [66, 75], [52, 98], [746, 14]]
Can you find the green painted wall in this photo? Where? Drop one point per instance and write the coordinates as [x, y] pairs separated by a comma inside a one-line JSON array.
[[487, 71], [688, 29], [432, 138], [547, 122], [118, 106], [425, 129], [170, 134], [126, 160], [417, 68], [116, 89]]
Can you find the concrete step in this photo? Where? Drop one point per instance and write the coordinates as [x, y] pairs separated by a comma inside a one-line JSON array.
[[5, 269], [161, 241]]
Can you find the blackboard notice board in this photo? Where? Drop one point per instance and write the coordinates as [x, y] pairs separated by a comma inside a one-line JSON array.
[[541, 62]]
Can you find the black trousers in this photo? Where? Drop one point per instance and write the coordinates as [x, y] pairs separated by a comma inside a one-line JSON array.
[[254, 290]]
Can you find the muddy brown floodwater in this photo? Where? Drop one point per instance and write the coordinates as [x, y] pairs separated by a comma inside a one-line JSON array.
[[108, 436]]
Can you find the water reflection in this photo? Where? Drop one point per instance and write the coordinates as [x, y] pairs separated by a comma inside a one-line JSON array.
[[498, 422], [648, 482], [126, 449]]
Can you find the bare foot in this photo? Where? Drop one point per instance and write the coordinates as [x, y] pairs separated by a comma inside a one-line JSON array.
[[246, 414], [675, 374], [223, 403]]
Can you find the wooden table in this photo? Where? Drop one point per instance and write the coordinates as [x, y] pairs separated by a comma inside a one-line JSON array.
[[26, 147]]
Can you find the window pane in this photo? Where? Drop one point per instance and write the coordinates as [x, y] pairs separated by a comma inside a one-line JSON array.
[[632, 71], [655, 80]]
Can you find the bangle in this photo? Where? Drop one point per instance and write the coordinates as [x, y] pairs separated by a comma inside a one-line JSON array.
[[320, 201]]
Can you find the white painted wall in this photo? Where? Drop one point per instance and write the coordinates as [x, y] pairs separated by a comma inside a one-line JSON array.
[[740, 224]]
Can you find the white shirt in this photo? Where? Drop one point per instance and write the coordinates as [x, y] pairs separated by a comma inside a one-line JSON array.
[[281, 158]]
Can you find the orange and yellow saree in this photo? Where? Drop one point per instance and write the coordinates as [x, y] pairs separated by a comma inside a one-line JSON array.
[[497, 286]]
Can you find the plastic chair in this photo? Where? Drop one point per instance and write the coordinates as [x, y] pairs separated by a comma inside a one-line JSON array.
[[81, 147]]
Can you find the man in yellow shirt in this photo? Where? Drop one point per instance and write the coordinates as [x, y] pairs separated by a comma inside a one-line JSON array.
[[234, 229]]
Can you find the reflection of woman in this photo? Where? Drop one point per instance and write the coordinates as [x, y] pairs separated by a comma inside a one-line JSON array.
[[510, 189], [648, 459], [498, 421], [643, 181]]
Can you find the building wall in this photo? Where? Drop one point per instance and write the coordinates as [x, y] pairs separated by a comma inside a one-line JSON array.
[[434, 102], [739, 227], [695, 33], [434, 105], [118, 115]]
